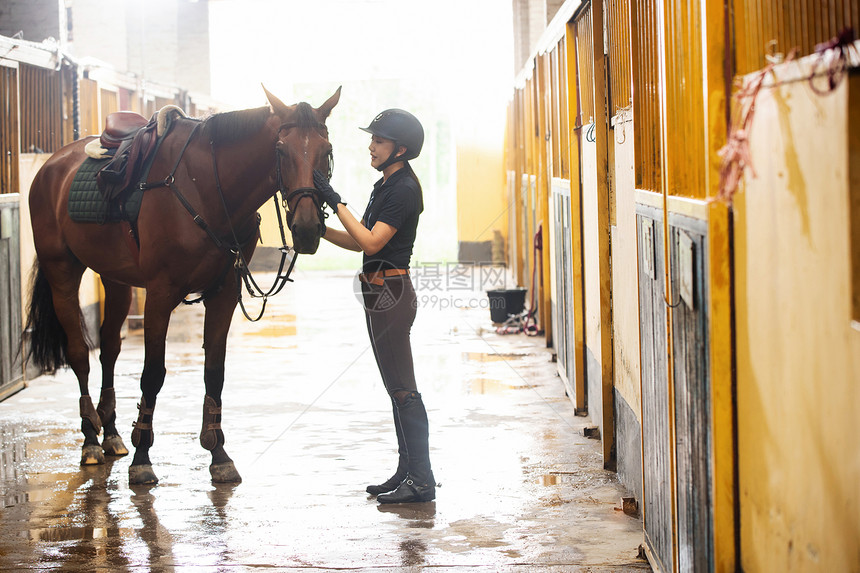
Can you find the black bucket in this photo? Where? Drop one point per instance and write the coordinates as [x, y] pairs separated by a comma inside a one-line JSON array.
[[505, 302]]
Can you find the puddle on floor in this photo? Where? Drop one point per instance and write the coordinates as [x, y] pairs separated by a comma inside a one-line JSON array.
[[485, 357], [488, 386], [274, 331], [556, 478]]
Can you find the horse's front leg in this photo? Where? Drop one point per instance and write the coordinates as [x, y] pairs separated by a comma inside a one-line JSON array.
[[156, 318], [219, 313]]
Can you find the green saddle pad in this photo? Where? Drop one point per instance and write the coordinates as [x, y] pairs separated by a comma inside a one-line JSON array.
[[87, 205]]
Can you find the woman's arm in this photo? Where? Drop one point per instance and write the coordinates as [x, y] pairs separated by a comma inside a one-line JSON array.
[[342, 239], [370, 241]]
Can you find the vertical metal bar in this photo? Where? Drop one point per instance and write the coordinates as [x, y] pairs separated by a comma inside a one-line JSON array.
[[56, 111], [821, 22], [31, 116], [834, 19], [796, 24], [4, 131], [803, 26], [653, 163], [648, 97], [564, 124], [855, 16], [23, 114], [659, 97], [758, 46], [648, 73]]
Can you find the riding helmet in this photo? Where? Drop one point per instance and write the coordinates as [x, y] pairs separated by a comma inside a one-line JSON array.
[[401, 127]]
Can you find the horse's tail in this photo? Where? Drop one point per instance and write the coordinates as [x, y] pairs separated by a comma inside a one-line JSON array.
[[47, 338]]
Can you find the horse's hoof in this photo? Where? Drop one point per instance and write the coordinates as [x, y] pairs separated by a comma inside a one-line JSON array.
[[224, 473], [141, 475], [114, 446], [92, 455]]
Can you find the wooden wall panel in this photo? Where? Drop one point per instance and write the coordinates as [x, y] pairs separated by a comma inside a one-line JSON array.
[[767, 27], [647, 88], [620, 74], [9, 144], [41, 110]]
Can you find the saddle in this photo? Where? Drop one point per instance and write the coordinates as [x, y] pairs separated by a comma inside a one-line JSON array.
[[134, 140], [120, 126]]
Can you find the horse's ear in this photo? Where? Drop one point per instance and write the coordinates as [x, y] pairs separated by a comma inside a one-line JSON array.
[[279, 107], [325, 109]]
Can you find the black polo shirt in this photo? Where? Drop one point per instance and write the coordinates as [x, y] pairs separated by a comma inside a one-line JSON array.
[[397, 202]]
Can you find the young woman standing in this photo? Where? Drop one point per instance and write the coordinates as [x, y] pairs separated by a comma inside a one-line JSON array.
[[386, 235]]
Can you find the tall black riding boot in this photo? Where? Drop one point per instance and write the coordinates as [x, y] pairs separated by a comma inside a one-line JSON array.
[[419, 484], [400, 474]]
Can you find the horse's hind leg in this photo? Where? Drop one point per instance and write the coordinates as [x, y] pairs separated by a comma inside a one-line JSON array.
[[64, 276], [117, 302], [219, 313]]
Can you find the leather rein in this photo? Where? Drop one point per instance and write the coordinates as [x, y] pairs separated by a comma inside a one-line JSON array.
[[240, 265]]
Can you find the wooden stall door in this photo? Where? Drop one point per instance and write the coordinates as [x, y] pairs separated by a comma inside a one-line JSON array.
[[564, 334], [11, 372], [692, 391], [656, 436]]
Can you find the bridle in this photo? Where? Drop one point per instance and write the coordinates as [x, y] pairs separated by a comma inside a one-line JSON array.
[[243, 273], [301, 192]]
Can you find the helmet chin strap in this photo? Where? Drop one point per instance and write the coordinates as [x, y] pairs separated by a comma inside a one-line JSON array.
[[392, 159]]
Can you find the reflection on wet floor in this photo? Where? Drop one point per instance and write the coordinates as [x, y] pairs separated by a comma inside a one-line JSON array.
[[12, 457], [490, 357], [309, 426], [485, 386], [77, 533], [275, 331]]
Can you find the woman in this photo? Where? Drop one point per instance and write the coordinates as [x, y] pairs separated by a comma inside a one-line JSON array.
[[386, 235]]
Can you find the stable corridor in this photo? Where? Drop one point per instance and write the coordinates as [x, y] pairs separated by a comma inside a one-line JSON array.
[[308, 425]]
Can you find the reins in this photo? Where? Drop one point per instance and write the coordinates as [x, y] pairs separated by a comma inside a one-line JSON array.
[[240, 265], [243, 273]]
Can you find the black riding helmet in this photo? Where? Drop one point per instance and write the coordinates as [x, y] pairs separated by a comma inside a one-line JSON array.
[[401, 127]]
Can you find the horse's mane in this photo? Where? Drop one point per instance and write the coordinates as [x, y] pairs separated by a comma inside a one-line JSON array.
[[231, 126]]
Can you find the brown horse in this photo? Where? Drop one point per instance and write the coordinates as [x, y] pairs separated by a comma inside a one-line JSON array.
[[222, 170]]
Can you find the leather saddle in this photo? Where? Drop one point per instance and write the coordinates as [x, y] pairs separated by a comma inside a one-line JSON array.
[[134, 139], [120, 126]]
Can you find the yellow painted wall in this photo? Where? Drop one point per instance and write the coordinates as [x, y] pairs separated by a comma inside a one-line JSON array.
[[29, 164], [625, 275], [482, 206], [798, 354], [270, 231]]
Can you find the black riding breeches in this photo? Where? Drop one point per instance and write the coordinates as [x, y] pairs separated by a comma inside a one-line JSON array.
[[390, 310]]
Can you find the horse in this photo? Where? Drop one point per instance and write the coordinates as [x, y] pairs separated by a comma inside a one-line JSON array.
[[197, 222]]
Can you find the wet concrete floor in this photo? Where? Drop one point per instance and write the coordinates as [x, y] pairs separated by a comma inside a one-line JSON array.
[[309, 426]]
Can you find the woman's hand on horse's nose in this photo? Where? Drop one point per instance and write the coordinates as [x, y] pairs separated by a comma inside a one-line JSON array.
[[326, 192]]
